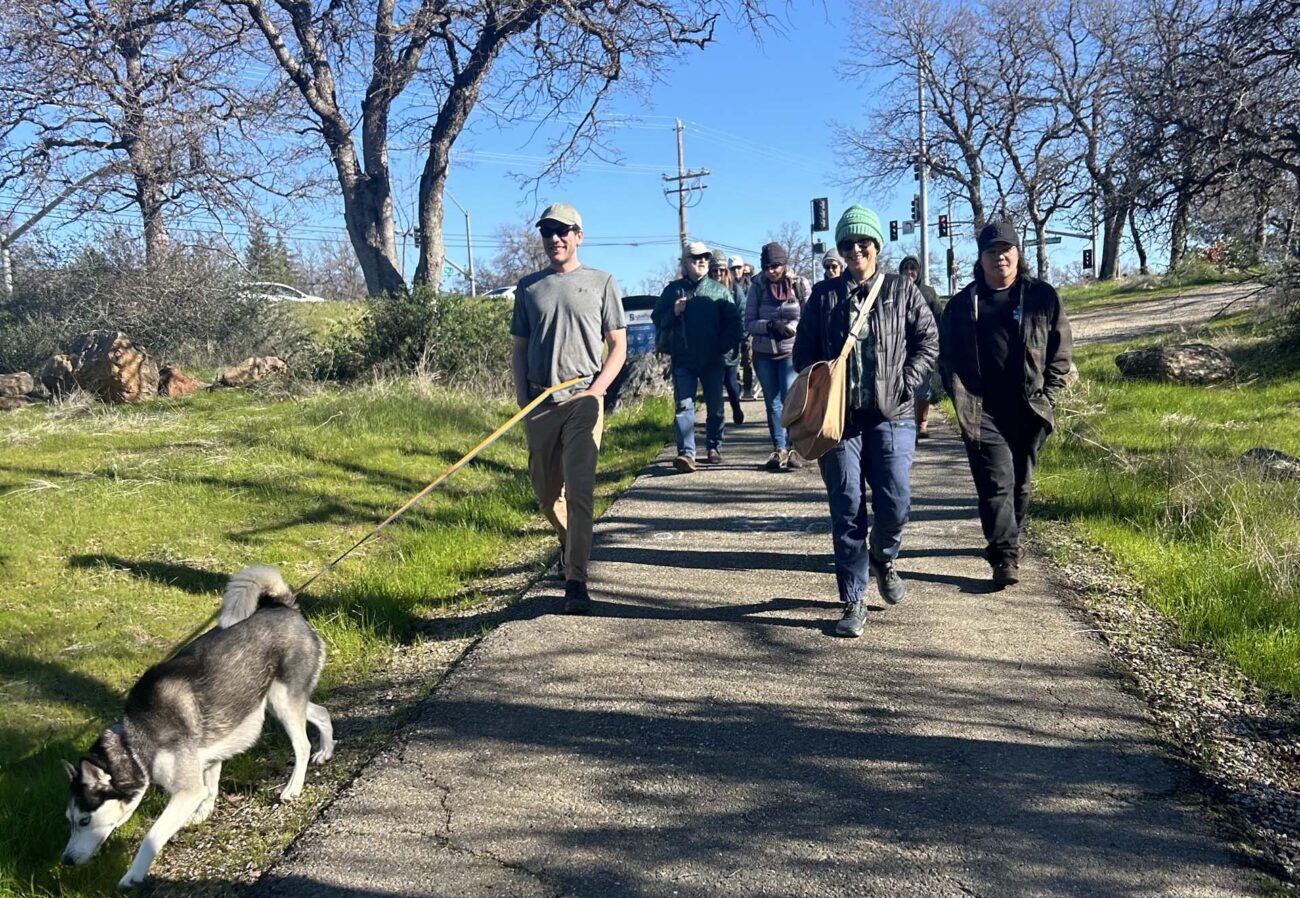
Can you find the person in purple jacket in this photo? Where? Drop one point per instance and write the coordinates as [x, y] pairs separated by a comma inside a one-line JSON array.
[[772, 310]]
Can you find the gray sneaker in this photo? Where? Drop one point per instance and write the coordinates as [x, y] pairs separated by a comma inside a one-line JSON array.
[[557, 572], [853, 621], [887, 579]]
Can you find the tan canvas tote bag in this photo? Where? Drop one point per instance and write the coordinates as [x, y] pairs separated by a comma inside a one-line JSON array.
[[817, 400]]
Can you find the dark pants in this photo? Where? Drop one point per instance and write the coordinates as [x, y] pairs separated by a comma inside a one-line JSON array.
[[731, 382], [747, 368], [875, 454], [1002, 465]]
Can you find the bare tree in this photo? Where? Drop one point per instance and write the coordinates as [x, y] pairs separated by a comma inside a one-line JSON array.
[[519, 254], [1031, 131], [939, 43], [138, 92], [516, 58]]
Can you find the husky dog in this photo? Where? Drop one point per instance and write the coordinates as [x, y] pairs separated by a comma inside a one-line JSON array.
[[198, 708]]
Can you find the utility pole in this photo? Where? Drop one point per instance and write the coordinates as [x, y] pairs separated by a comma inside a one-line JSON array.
[[683, 191], [8, 273], [923, 208], [952, 253]]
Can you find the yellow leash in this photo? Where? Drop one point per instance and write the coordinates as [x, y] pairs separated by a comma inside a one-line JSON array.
[[464, 460]]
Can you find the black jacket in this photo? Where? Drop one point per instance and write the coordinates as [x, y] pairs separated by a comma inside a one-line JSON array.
[[706, 331], [1045, 337], [907, 341]]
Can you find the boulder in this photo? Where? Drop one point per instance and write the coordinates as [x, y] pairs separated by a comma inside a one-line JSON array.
[[646, 375], [174, 382], [1274, 464], [1187, 363], [14, 385], [251, 370], [109, 365], [56, 376], [9, 403]]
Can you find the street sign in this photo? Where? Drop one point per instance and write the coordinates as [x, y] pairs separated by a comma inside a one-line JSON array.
[[909, 227], [1032, 242]]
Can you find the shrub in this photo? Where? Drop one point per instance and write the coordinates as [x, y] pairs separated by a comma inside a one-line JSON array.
[[454, 339], [187, 309]]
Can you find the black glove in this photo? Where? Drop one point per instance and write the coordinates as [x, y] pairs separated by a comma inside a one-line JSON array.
[[779, 330]]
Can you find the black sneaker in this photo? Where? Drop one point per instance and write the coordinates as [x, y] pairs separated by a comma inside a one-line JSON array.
[[888, 581], [853, 621], [1006, 573], [576, 599], [737, 414]]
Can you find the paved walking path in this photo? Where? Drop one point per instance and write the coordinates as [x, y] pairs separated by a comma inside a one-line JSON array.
[[704, 733]]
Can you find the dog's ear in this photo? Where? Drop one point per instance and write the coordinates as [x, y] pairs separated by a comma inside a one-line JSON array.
[[69, 770], [93, 776]]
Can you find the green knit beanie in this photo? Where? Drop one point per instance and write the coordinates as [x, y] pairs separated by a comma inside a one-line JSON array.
[[859, 221]]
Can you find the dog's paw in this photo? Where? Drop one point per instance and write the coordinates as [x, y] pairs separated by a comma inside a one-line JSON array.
[[130, 880], [203, 811], [326, 752], [290, 792]]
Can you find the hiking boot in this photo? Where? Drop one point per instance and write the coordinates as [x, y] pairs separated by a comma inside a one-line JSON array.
[[715, 457], [1006, 573], [576, 599], [853, 621], [888, 581], [557, 572], [793, 460], [737, 414], [776, 461], [684, 464]]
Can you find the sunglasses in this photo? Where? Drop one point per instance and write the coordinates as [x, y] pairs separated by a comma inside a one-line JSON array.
[[701, 257], [549, 231], [860, 244], [774, 266]]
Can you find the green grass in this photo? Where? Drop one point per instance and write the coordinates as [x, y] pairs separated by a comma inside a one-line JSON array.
[[1082, 297], [1150, 472], [118, 527]]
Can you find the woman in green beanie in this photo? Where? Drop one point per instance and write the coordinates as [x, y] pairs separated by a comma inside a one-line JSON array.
[[893, 355]]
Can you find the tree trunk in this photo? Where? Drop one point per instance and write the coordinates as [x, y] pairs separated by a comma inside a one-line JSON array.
[[1113, 216], [137, 140], [1141, 250], [1178, 230], [1040, 234]]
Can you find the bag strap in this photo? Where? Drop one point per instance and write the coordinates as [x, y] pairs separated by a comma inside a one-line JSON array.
[[863, 314]]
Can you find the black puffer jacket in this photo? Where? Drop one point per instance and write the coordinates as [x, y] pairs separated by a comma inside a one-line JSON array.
[[1044, 335], [907, 340]]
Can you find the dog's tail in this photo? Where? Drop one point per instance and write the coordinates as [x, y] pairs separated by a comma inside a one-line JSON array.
[[248, 590]]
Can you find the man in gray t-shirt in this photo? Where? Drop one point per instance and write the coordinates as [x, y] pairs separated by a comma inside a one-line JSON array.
[[564, 318]]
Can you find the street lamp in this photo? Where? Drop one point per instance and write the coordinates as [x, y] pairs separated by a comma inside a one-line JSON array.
[[469, 243]]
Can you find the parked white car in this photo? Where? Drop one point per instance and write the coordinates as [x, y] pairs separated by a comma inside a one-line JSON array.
[[272, 292], [502, 293]]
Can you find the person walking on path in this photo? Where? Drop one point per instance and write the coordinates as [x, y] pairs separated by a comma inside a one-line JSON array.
[[894, 353], [927, 393], [1005, 358], [697, 322], [719, 271], [772, 311], [565, 317], [832, 264], [740, 281]]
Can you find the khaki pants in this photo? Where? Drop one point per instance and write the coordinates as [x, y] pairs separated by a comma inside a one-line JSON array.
[[563, 439]]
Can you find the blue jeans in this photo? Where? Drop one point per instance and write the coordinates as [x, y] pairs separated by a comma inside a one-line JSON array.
[[875, 454], [684, 380], [776, 376]]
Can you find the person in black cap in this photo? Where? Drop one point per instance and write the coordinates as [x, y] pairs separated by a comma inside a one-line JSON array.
[[1004, 358]]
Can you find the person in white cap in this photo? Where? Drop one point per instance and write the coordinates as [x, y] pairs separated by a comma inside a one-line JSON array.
[[565, 318], [697, 322]]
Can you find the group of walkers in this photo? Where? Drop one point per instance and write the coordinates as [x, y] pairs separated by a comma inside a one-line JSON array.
[[1001, 349]]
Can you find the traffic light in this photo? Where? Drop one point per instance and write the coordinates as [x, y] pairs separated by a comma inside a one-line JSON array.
[[943, 226], [1087, 261], [821, 218], [893, 230], [916, 207], [819, 248]]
